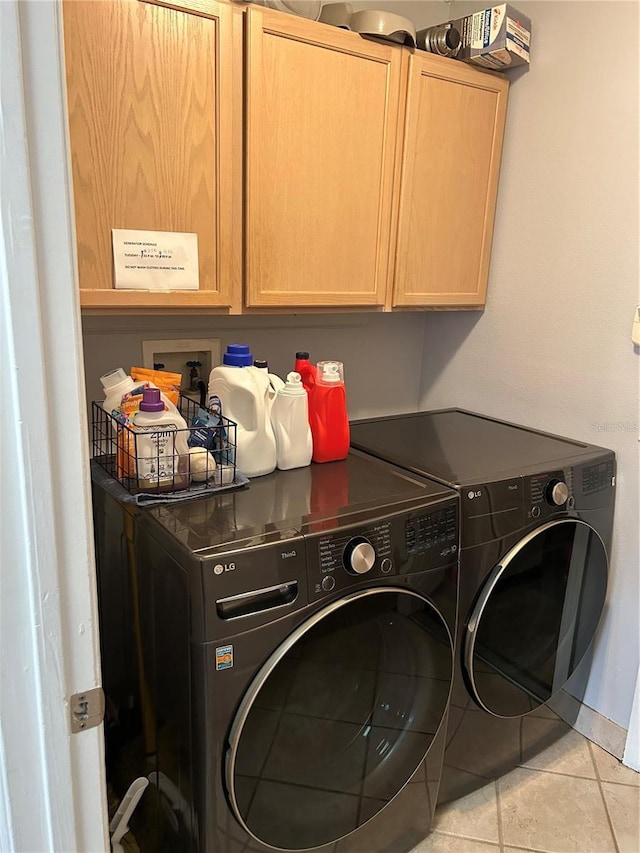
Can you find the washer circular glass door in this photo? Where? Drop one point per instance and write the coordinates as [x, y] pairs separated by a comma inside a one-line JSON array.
[[339, 718], [535, 617]]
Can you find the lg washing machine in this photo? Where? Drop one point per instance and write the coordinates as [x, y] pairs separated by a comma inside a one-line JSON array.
[[278, 661], [536, 524]]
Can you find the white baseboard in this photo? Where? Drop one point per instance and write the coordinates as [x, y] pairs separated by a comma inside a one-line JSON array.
[[607, 734], [631, 755], [598, 729]]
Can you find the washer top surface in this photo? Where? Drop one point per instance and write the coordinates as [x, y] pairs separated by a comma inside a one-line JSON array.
[[458, 447], [287, 503]]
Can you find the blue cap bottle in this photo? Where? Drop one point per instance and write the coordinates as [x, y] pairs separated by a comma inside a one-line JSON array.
[[237, 355]]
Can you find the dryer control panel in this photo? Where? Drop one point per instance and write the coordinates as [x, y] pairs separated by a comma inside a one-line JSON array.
[[596, 478], [399, 544], [549, 492]]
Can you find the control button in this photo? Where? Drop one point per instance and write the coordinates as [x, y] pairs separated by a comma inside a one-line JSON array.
[[571, 502], [359, 556], [328, 583], [386, 565], [535, 512], [556, 492]]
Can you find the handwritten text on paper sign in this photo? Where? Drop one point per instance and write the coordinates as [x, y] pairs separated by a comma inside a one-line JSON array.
[[155, 260]]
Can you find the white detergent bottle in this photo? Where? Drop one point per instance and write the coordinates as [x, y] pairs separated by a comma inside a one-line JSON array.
[[161, 448], [116, 383], [275, 384], [290, 418], [244, 392], [274, 380]]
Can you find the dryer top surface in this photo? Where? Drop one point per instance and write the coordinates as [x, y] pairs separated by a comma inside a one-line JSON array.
[[460, 448], [285, 504]]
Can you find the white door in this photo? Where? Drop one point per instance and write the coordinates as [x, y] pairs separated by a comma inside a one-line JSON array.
[[52, 791]]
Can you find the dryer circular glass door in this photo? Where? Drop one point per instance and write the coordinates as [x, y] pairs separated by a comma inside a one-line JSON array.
[[535, 617], [339, 718]]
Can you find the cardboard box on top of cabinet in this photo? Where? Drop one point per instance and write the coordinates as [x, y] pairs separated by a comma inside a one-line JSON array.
[[497, 38]]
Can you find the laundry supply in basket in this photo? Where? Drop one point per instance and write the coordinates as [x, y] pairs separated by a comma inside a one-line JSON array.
[[123, 395], [202, 465], [161, 449], [169, 383], [115, 384], [209, 432], [123, 392]]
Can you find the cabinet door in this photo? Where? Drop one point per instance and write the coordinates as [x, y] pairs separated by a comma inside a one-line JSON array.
[[453, 141], [322, 109], [149, 96]]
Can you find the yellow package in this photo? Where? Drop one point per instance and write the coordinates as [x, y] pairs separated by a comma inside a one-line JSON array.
[[168, 383], [126, 458], [126, 444]]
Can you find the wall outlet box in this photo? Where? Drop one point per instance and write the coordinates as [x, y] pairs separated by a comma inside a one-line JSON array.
[[175, 353]]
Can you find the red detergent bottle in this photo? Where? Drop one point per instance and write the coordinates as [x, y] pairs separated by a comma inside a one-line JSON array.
[[328, 413], [306, 370]]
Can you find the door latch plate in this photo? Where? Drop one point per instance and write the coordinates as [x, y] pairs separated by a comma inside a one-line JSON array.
[[86, 709]]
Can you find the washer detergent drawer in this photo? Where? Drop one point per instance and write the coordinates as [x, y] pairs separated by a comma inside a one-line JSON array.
[[339, 718], [535, 617], [248, 588]]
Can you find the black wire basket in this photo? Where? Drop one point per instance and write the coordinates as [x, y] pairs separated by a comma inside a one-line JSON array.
[[117, 449]]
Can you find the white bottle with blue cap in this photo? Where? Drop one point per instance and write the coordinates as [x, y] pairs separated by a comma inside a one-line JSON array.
[[244, 392]]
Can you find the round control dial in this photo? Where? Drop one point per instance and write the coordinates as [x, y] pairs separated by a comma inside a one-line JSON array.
[[359, 556], [328, 583], [556, 492]]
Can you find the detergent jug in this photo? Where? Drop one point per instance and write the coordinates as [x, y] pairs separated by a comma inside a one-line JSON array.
[[328, 413], [244, 391]]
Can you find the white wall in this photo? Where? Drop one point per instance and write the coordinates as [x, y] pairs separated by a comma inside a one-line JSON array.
[[381, 352], [553, 347], [52, 782]]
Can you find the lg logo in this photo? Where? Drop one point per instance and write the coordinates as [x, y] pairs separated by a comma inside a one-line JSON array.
[[219, 568], [473, 495]]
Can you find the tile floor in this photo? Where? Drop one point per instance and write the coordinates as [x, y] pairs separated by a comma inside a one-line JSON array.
[[572, 798]]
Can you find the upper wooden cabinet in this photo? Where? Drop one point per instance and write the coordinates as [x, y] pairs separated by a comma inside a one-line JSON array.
[[320, 170], [320, 136], [149, 96], [450, 164]]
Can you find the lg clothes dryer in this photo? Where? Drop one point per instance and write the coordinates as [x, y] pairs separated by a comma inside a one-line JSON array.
[[536, 524], [278, 661]]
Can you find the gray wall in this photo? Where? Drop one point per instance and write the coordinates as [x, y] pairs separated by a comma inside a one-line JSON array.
[[553, 347], [381, 352], [423, 13]]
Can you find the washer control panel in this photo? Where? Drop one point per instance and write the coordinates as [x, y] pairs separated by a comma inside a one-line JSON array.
[[433, 531], [404, 543]]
